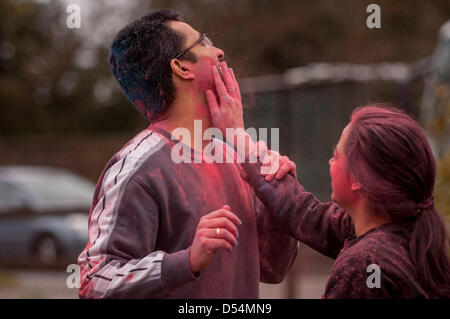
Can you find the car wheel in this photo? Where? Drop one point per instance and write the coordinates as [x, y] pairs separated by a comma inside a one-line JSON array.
[[47, 251]]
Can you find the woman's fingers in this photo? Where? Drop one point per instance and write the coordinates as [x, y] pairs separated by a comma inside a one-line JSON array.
[[278, 169], [270, 163], [286, 167]]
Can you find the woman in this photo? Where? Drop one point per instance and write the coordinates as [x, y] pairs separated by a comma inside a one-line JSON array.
[[382, 174], [382, 227]]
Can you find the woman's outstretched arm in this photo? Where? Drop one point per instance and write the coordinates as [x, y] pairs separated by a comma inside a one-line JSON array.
[[321, 225]]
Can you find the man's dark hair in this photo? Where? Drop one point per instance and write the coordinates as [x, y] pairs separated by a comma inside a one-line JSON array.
[[140, 58]]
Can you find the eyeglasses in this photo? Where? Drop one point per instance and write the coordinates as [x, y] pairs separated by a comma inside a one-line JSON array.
[[205, 41]]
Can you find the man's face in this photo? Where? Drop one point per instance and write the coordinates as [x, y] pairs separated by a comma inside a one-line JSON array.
[[206, 56]]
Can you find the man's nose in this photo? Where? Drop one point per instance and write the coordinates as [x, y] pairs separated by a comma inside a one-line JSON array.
[[220, 54]]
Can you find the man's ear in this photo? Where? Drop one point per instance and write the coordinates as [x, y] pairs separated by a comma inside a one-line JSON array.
[[182, 69]]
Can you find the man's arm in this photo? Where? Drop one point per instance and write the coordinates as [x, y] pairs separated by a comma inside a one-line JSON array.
[[120, 260]]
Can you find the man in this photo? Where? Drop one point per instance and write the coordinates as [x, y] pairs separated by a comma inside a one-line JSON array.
[[163, 228]]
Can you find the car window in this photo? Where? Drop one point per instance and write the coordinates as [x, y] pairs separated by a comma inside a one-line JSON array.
[[60, 189], [56, 189], [10, 198]]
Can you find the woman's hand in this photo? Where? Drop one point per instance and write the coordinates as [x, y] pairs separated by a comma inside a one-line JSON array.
[[277, 166]]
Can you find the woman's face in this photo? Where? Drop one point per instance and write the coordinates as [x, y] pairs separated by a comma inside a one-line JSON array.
[[341, 181]]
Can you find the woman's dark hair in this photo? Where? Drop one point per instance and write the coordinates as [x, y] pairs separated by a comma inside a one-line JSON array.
[[388, 154], [139, 58]]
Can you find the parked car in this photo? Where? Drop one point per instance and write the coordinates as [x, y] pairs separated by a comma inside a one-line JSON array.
[[43, 215]]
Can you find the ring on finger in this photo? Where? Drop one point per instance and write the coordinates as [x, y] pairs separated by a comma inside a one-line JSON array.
[[217, 232]]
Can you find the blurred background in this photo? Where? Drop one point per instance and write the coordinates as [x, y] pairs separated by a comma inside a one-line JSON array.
[[303, 66]]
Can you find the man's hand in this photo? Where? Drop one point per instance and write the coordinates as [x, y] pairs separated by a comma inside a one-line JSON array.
[[229, 113], [217, 230]]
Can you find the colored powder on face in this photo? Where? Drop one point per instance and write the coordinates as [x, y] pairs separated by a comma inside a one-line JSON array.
[[203, 75]]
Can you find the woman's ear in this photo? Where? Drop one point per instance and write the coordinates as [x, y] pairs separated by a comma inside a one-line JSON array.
[[182, 69], [355, 186]]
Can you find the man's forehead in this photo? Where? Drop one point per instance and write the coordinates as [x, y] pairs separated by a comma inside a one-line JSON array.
[[185, 29]]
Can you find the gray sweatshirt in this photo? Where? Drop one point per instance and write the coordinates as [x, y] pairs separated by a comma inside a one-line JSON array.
[[143, 219]]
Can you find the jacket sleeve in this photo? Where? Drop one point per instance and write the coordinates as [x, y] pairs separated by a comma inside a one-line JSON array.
[[120, 260], [321, 225], [277, 249]]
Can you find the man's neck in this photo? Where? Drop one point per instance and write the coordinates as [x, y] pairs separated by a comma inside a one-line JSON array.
[[183, 112]]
